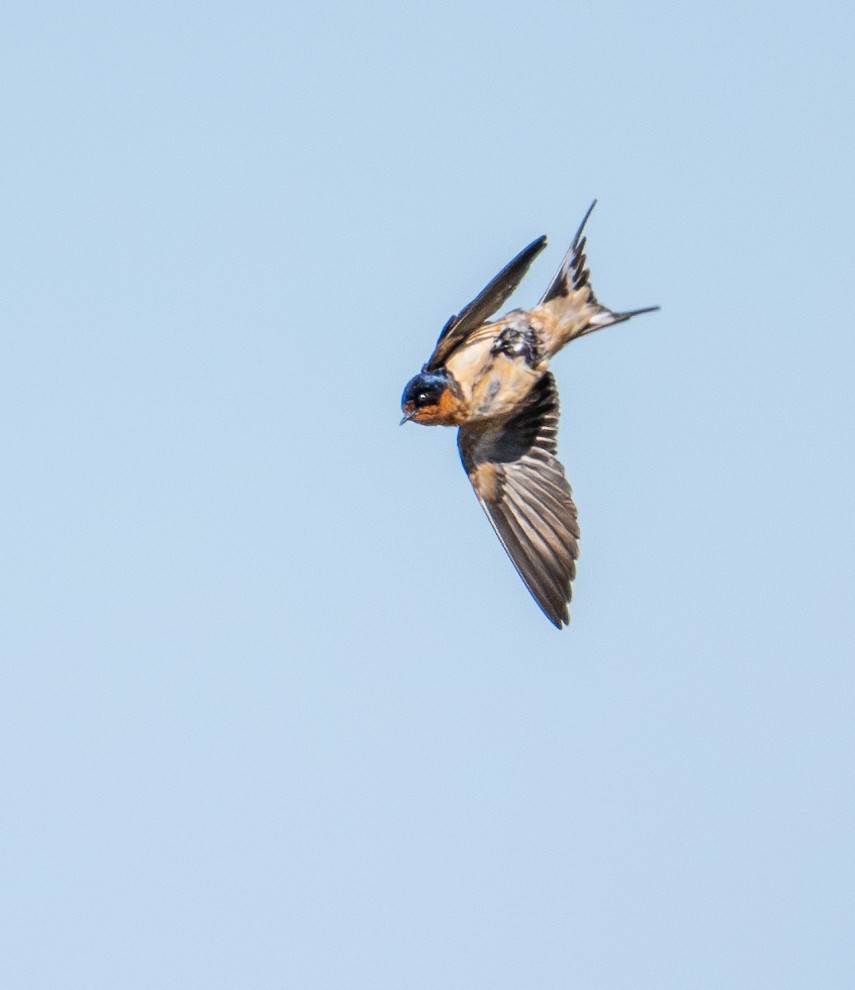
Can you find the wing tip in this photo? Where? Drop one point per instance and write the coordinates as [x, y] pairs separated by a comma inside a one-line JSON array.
[[559, 620]]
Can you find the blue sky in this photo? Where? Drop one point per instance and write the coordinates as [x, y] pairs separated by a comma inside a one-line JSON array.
[[276, 710]]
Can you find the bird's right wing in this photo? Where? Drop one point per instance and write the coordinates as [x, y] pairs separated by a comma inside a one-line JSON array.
[[482, 307], [521, 485]]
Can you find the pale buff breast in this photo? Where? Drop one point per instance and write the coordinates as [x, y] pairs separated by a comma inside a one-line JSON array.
[[493, 384]]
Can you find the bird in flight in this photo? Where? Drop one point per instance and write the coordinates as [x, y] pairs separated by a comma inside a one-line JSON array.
[[492, 380]]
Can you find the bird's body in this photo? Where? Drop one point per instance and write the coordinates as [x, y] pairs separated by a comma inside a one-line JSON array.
[[492, 380]]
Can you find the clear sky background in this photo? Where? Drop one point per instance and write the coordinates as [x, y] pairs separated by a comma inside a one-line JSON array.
[[275, 709]]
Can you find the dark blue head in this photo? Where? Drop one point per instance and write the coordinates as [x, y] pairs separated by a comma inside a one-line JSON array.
[[428, 398]]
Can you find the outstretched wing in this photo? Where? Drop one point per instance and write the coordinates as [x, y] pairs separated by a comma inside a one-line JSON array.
[[482, 307], [521, 485]]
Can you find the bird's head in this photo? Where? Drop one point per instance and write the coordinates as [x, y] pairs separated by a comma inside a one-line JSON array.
[[432, 398]]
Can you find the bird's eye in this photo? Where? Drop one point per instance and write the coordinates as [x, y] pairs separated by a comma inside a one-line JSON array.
[[423, 391]]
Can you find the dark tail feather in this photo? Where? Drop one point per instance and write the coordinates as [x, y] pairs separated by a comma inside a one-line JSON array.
[[606, 318], [574, 304], [636, 312], [572, 274]]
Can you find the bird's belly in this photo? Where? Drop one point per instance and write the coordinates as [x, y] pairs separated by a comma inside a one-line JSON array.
[[502, 387]]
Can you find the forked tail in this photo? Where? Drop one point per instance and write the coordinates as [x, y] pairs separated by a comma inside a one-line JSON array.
[[570, 305]]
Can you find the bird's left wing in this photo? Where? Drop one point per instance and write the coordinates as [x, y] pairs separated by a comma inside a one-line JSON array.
[[521, 485], [482, 307]]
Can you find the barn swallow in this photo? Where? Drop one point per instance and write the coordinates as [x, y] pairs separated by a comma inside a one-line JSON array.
[[491, 380]]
